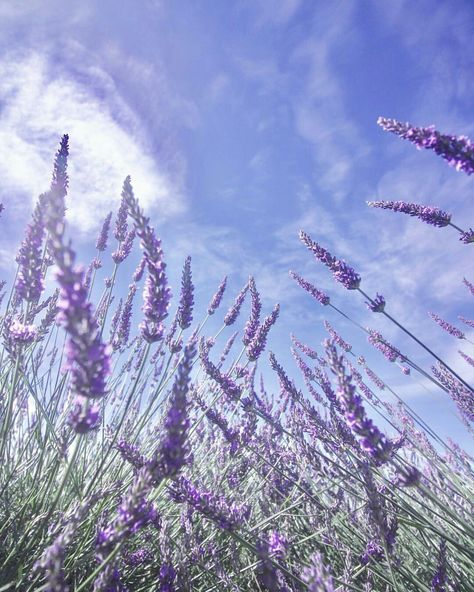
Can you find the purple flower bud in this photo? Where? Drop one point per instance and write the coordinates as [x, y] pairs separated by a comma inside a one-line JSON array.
[[321, 297], [428, 214], [377, 304], [469, 285], [186, 303], [440, 578], [457, 150], [138, 273], [216, 299], [468, 359], [121, 227], [342, 272], [21, 334], [389, 351], [467, 236], [461, 395], [447, 326], [234, 310], [101, 243], [123, 330]]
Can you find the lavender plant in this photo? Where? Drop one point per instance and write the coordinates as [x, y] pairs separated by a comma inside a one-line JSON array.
[[129, 463]]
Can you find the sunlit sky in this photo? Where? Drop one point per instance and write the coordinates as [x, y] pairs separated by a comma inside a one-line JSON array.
[[241, 123]]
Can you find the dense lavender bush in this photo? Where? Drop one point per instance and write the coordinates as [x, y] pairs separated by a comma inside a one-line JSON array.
[[136, 456]]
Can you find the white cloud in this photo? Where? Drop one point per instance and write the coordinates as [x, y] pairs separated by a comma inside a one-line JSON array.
[[40, 101]]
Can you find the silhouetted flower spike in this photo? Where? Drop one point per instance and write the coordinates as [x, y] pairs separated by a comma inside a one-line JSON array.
[[60, 181], [342, 273], [121, 226], [29, 284], [186, 303], [101, 243], [321, 297], [234, 310], [217, 298], [428, 214], [457, 150], [451, 329], [156, 294], [254, 319]]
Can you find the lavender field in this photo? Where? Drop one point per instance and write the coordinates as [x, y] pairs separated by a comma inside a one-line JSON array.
[[139, 454]]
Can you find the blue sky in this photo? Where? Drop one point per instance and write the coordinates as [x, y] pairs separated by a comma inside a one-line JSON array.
[[242, 122]]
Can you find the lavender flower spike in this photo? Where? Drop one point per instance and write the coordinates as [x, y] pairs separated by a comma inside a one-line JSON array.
[[253, 322], [234, 310], [451, 329], [172, 452], [371, 439], [29, 284], [321, 297], [457, 150], [342, 273], [101, 243], [257, 345], [377, 304], [428, 214], [217, 298], [88, 359], [156, 295], [185, 309]]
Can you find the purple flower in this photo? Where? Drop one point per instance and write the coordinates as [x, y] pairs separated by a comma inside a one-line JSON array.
[[121, 227], [342, 272], [389, 351], [29, 283], [131, 454], [21, 334], [318, 576], [377, 304], [467, 236], [254, 319], [269, 576], [88, 359], [227, 515], [156, 295], [257, 345], [167, 578], [101, 243], [172, 452], [84, 416], [217, 298], [186, 303], [447, 326], [462, 396], [371, 439], [439, 583], [123, 330], [468, 322], [230, 388], [457, 150], [337, 338], [234, 310], [468, 359], [138, 273], [428, 214], [304, 348], [469, 285], [321, 297], [125, 248]]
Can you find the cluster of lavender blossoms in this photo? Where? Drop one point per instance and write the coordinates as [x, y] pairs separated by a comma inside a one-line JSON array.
[[342, 273], [87, 357], [157, 294], [457, 150]]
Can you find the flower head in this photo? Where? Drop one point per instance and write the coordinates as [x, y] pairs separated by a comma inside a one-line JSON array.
[[428, 214], [186, 303]]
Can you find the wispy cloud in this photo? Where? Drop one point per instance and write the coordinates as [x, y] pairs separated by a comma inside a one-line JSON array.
[[42, 99]]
